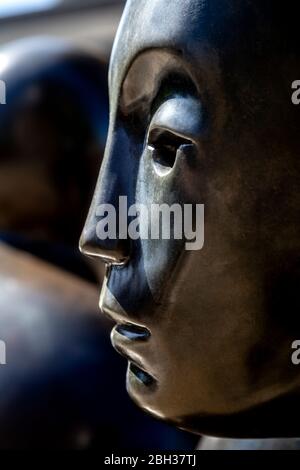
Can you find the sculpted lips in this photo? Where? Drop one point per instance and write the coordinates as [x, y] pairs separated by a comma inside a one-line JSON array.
[[128, 339], [141, 375], [133, 332], [124, 339]]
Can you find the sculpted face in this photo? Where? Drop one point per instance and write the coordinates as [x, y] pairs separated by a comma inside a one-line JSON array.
[[201, 112]]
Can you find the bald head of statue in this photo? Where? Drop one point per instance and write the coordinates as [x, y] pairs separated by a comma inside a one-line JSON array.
[[201, 113]]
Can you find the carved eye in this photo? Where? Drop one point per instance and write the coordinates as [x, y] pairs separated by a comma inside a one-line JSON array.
[[165, 145]]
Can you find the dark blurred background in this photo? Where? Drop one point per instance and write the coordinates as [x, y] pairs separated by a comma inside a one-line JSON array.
[[62, 386], [91, 22]]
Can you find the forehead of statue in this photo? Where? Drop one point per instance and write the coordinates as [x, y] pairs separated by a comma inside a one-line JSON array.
[[193, 28], [150, 24]]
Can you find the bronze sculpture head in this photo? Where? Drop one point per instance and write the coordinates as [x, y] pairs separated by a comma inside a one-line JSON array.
[[201, 112]]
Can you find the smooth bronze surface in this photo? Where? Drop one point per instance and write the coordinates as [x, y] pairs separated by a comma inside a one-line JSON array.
[[218, 323]]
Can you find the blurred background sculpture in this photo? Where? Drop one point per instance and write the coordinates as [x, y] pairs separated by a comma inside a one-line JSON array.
[[201, 112]]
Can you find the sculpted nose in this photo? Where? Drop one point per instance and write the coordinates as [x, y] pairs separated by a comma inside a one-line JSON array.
[[112, 183], [109, 251]]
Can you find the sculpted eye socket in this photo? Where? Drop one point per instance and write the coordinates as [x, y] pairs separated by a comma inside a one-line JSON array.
[[164, 145], [178, 123]]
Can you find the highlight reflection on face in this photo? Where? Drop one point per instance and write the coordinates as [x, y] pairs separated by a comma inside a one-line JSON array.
[[207, 333]]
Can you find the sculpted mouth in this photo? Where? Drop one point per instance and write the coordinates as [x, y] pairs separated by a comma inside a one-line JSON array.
[[125, 338], [141, 375], [128, 339], [133, 332]]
